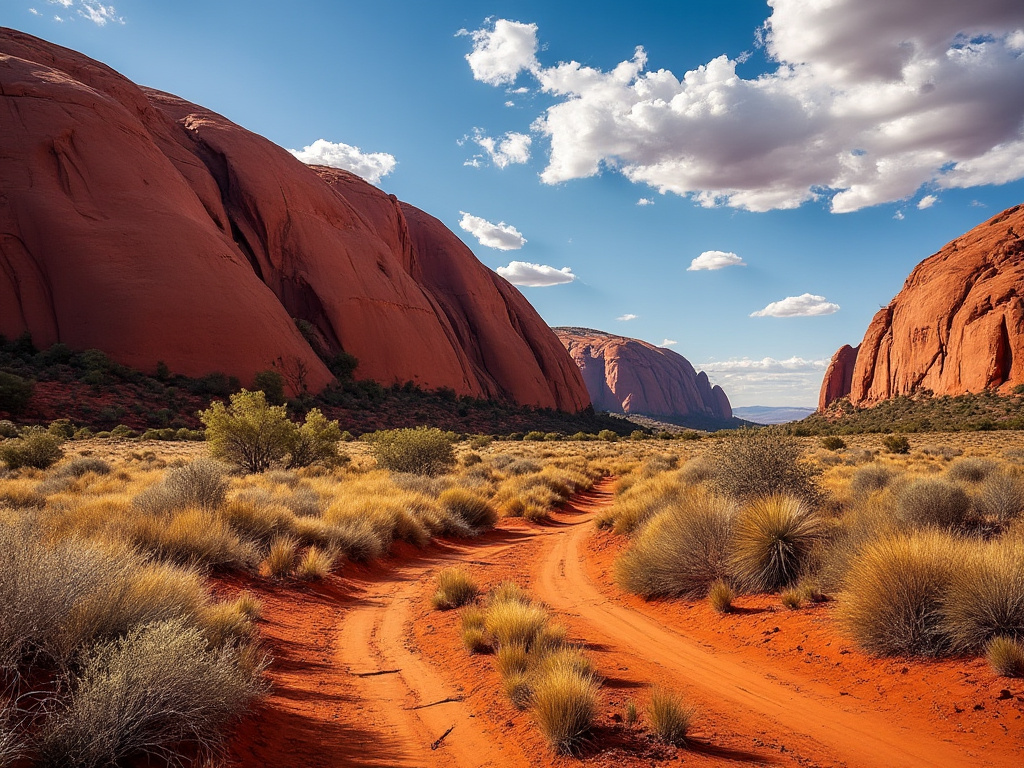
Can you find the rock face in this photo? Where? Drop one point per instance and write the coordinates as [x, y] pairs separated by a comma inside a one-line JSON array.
[[956, 327], [134, 222], [631, 376]]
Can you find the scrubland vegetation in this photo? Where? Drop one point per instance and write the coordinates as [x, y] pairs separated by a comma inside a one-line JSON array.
[[921, 551]]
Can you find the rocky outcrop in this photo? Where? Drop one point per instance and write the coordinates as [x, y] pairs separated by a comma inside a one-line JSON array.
[[134, 222], [626, 375], [956, 327]]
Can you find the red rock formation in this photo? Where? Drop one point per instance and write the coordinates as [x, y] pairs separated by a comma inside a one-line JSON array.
[[153, 229], [631, 376], [956, 327]]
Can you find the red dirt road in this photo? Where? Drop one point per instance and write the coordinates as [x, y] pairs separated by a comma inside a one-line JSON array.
[[368, 675]]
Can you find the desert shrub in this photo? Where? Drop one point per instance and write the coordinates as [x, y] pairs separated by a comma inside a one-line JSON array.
[[518, 686], [669, 716], [200, 483], [35, 448], [682, 550], [521, 467], [833, 443], [224, 624], [932, 501], [193, 536], [421, 451], [791, 599], [149, 694], [82, 465], [896, 444], [608, 436], [455, 588], [474, 634], [256, 519], [773, 540], [62, 429], [249, 432], [763, 463], [479, 442], [720, 596], [565, 705], [475, 512], [971, 469], [271, 384], [507, 592], [1006, 656], [511, 622], [8, 429], [697, 471], [280, 560], [871, 478], [315, 442], [15, 392], [892, 601], [314, 564], [640, 502], [1000, 496], [123, 432], [986, 596]]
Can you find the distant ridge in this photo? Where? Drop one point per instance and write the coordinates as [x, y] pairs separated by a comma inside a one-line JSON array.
[[767, 414]]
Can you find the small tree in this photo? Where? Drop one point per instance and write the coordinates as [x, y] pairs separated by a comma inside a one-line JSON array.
[[272, 385], [249, 432], [423, 450], [15, 392], [315, 441]]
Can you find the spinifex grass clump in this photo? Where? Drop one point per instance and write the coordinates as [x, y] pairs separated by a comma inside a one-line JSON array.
[[720, 596], [773, 540], [669, 716], [1006, 656], [455, 588], [985, 597], [932, 502]]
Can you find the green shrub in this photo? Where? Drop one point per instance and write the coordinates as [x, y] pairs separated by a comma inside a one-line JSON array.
[[155, 693], [833, 443], [669, 716], [608, 436], [763, 462], [123, 432], [315, 442], [15, 392], [682, 551], [421, 451], [249, 432], [1006, 656], [8, 429], [35, 448], [62, 429], [773, 540], [932, 502], [271, 384], [533, 436], [455, 588], [896, 444]]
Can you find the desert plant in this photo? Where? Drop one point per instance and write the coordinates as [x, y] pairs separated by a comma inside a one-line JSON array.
[[631, 713], [971, 469], [315, 442], [669, 716], [280, 561], [1000, 496], [763, 463], [514, 623], [833, 443], [518, 687], [82, 465], [15, 392], [150, 694], [476, 512], [455, 588], [249, 606], [8, 429], [932, 502], [271, 383], [422, 450], [507, 592], [249, 432], [200, 483], [1006, 656], [985, 598], [682, 550], [474, 636], [720, 596], [791, 599], [773, 539], [511, 658], [565, 705], [314, 564], [35, 448], [896, 444], [871, 478], [893, 597]]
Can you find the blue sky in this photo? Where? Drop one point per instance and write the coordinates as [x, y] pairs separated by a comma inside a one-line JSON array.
[[821, 155]]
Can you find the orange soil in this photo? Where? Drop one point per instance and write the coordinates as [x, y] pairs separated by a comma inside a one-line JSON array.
[[367, 674]]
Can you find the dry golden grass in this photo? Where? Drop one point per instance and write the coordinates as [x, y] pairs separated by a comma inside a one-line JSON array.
[[669, 716], [455, 588]]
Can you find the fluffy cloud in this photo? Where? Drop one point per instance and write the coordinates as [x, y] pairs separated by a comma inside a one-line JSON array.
[[867, 101], [511, 149], [668, 343], [372, 166], [927, 202], [627, 317], [645, 201], [804, 305], [535, 275], [793, 381], [765, 365], [98, 13], [501, 53], [502, 236], [715, 260]]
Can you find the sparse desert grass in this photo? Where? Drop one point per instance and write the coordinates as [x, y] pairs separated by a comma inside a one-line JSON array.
[[511, 622], [474, 634], [455, 588], [932, 502], [565, 705], [773, 540], [280, 560], [971, 469], [669, 716], [1006, 656], [792, 599], [314, 564], [476, 512], [682, 550], [720, 597], [871, 478], [1000, 496], [985, 597]]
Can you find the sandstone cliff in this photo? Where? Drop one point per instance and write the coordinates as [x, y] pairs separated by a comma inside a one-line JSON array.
[[956, 327], [626, 375], [134, 222]]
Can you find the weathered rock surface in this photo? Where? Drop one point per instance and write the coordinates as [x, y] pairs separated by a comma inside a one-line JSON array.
[[957, 325], [137, 223], [626, 375]]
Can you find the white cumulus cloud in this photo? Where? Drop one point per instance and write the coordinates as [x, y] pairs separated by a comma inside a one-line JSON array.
[[372, 166], [866, 101], [500, 53], [535, 275], [645, 201], [668, 343], [511, 149], [627, 317], [98, 13], [502, 236], [804, 305], [715, 260], [765, 365], [927, 202], [768, 381]]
